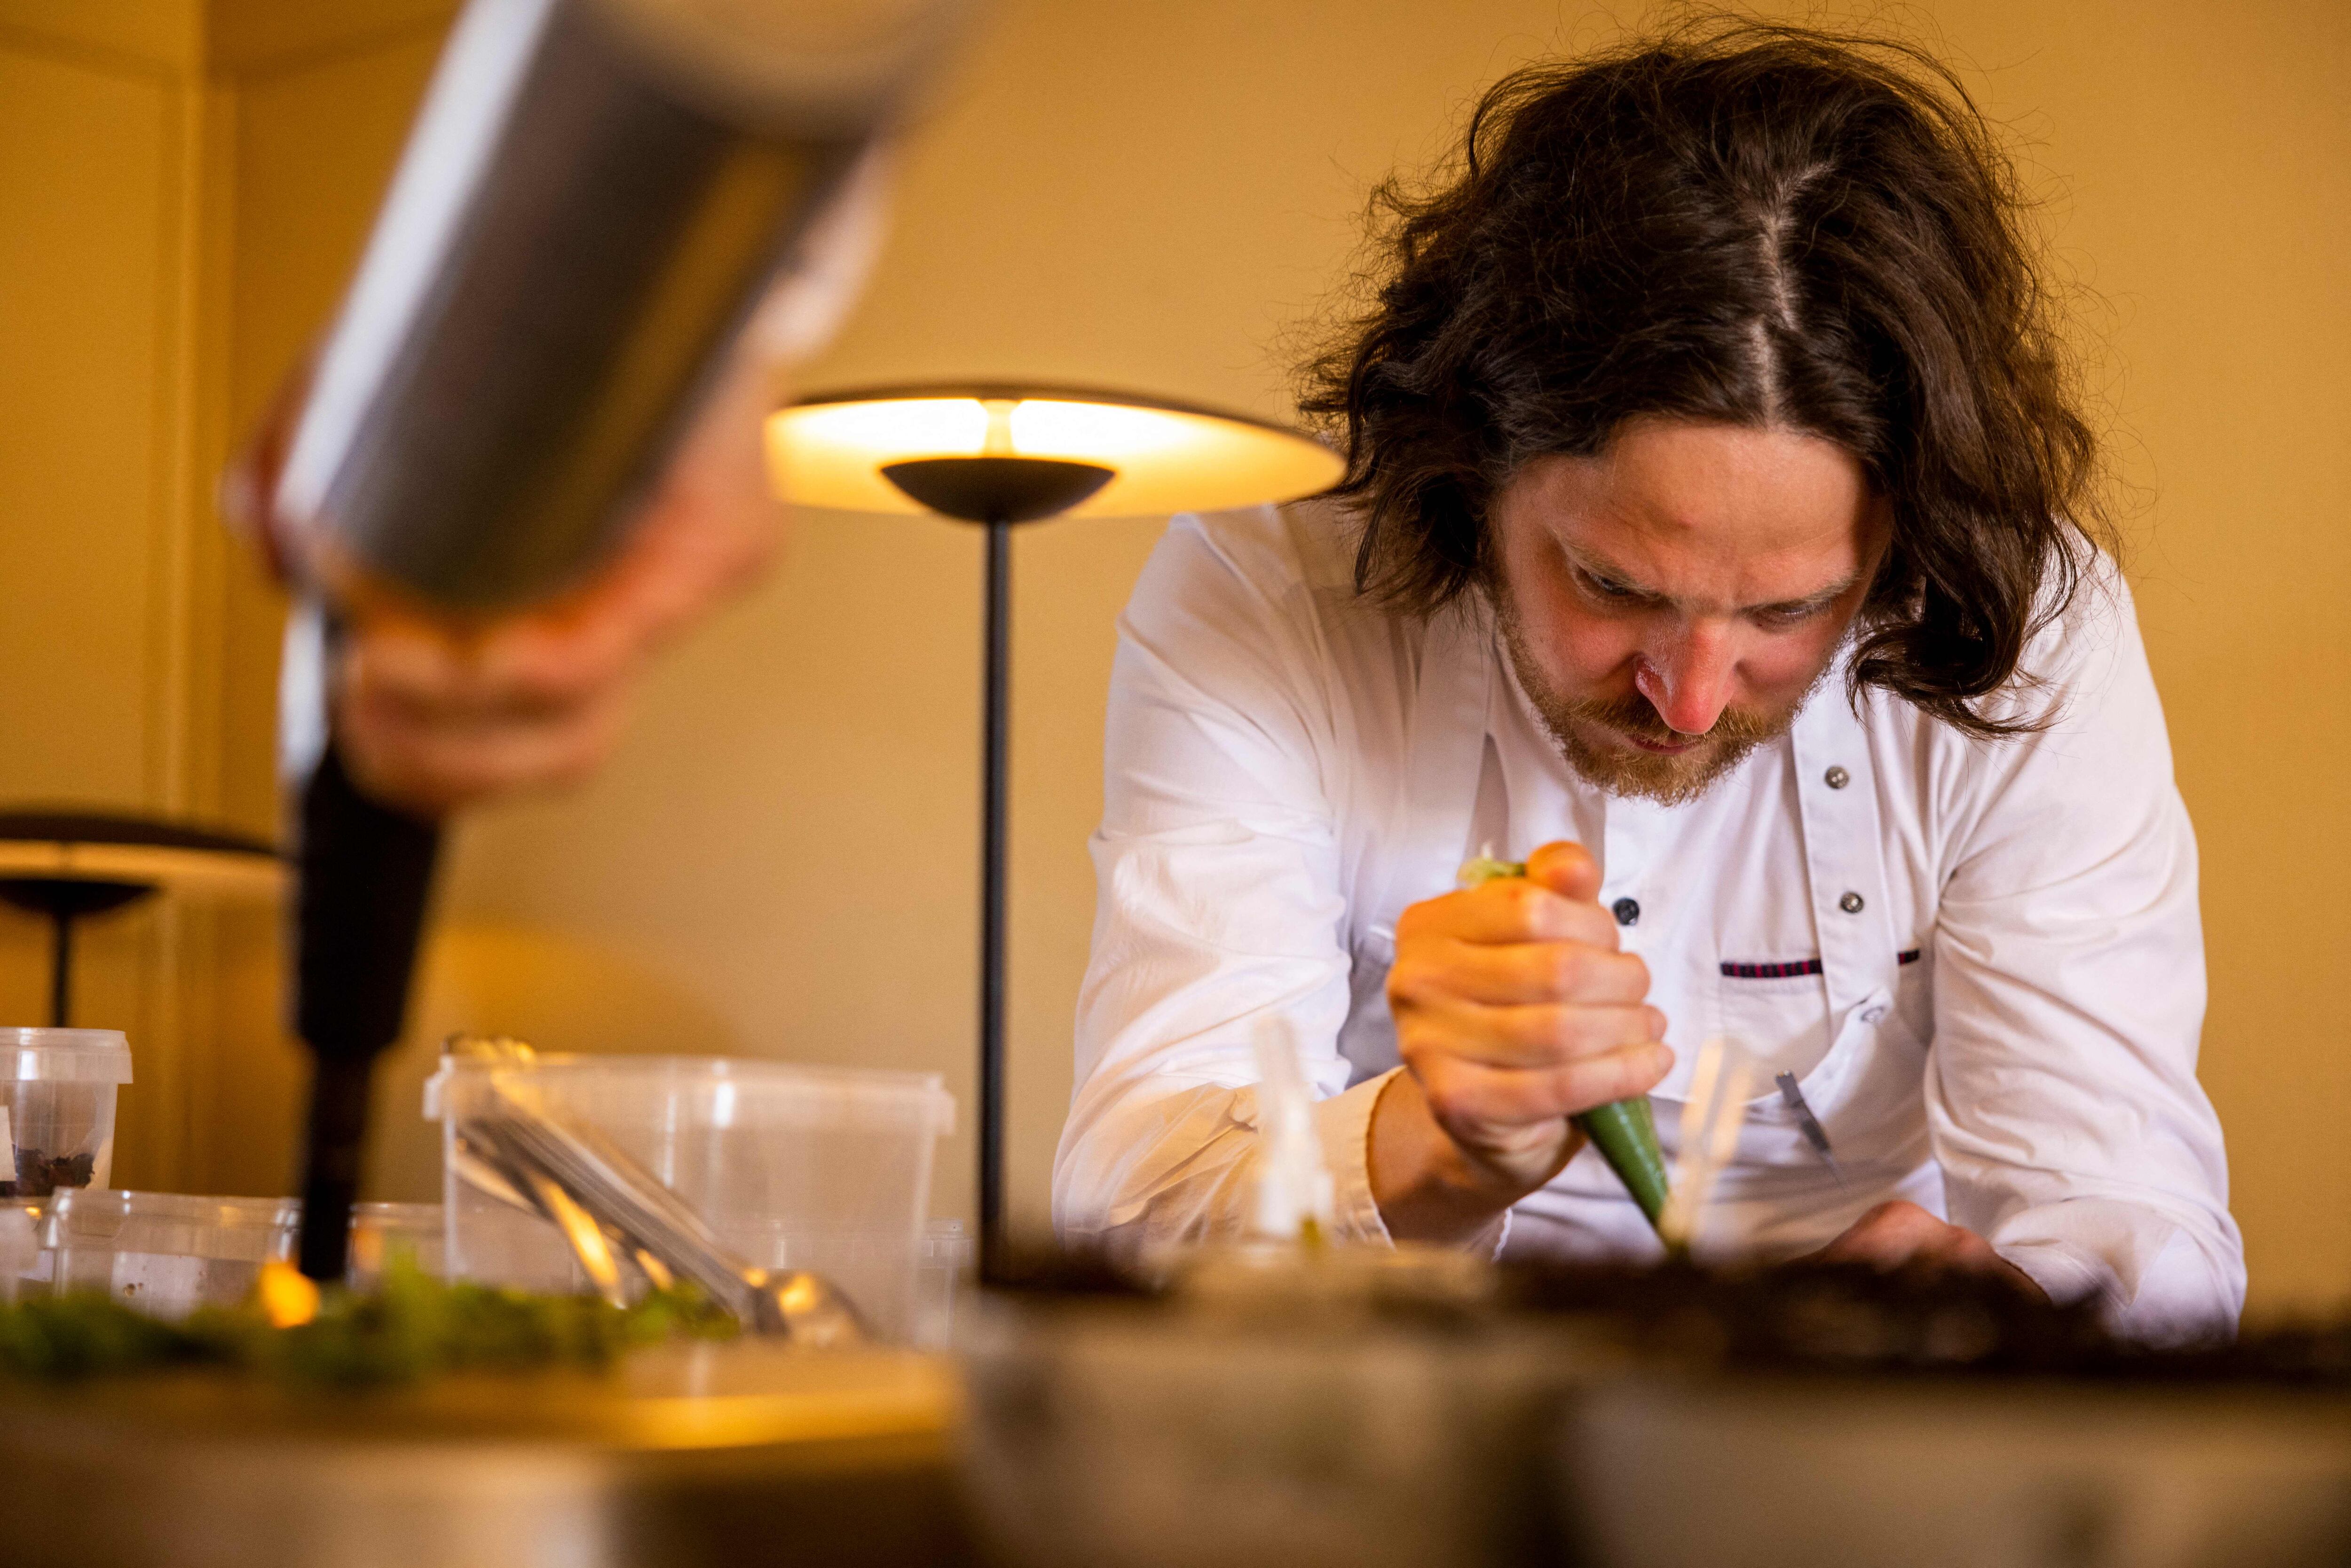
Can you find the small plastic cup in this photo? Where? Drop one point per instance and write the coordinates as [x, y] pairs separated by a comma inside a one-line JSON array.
[[383, 1232], [165, 1253], [56, 1108], [20, 1248], [942, 1270]]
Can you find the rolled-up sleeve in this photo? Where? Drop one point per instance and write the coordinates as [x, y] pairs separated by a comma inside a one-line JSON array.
[[2062, 1096], [1218, 901]]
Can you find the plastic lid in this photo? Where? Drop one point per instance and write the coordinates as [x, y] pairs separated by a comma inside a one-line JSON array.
[[784, 1092], [65, 1055], [420, 1216], [174, 1223]]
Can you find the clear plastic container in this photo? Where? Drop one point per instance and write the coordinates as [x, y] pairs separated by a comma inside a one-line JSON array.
[[20, 1248], [56, 1108], [940, 1272], [164, 1252], [382, 1231], [29, 1263], [822, 1168], [167, 1253]]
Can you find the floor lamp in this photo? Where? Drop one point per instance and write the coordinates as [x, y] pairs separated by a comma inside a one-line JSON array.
[[66, 864], [999, 455]]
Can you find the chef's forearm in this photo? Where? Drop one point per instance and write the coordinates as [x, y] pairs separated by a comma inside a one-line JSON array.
[[1427, 1189]]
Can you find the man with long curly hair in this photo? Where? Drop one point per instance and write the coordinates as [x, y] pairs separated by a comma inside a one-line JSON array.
[[1721, 537]]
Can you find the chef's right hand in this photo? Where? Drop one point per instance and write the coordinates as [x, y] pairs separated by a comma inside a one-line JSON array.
[[434, 710], [1514, 1010]]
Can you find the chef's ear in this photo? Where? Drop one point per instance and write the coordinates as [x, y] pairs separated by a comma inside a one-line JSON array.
[[1567, 868]]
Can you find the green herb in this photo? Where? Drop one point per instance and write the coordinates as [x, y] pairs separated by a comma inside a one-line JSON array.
[[1486, 868], [1625, 1132], [409, 1328]]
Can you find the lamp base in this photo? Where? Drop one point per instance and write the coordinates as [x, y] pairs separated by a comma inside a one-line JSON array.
[[998, 489]]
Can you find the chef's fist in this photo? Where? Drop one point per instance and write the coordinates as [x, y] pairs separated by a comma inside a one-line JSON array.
[[1514, 1010], [434, 710]]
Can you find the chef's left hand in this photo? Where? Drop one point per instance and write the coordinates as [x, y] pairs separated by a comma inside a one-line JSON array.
[[1904, 1235]]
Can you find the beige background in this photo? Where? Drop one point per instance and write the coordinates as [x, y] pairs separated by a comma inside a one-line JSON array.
[[1144, 194]]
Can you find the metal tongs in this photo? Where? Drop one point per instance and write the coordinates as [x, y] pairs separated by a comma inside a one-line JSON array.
[[622, 1225]]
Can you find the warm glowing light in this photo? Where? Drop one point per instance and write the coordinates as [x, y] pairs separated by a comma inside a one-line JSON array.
[[289, 1298], [830, 453], [886, 431], [1103, 432]]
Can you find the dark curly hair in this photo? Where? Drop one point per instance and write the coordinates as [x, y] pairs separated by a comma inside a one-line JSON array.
[[1744, 223]]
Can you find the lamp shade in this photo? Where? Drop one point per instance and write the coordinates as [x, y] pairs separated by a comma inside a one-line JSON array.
[[68, 845], [69, 864], [1163, 457]]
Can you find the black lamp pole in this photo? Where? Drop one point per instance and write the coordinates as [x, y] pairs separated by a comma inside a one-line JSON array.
[[66, 900], [996, 747], [997, 492]]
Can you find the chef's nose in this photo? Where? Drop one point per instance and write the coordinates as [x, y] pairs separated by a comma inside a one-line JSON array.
[[1689, 680]]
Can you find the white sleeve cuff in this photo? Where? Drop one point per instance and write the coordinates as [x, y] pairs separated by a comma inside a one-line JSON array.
[[2151, 1280], [1344, 1121], [2064, 1272]]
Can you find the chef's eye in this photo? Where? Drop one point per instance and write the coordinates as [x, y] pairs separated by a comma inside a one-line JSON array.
[[1779, 617], [1605, 588]]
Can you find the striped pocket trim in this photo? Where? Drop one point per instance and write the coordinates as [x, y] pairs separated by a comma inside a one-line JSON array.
[[1795, 968]]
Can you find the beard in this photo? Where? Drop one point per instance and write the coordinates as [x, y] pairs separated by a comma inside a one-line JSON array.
[[1670, 780]]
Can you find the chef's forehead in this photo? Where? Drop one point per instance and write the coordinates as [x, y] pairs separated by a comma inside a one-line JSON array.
[[1758, 515]]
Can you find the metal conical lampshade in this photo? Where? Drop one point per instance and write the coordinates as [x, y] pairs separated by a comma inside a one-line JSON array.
[[1163, 457]]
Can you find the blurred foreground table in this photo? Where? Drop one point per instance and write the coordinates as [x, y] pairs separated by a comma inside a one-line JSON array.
[[689, 1455], [1121, 1432]]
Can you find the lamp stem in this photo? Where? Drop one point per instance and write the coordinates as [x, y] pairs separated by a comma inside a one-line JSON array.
[[995, 764], [61, 969]]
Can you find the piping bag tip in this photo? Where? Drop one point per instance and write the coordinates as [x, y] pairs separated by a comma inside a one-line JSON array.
[[1625, 1133]]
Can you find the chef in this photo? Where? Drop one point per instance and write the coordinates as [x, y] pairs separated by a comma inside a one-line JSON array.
[[1719, 537]]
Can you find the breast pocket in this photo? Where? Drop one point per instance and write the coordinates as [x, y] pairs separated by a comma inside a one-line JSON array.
[[1782, 1021]]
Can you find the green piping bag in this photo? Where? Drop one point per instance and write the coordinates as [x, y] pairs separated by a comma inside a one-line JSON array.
[[1625, 1132]]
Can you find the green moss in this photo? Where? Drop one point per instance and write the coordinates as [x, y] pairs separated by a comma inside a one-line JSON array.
[[407, 1328]]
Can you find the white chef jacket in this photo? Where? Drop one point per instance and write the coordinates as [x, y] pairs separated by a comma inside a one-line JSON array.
[[1982, 961]]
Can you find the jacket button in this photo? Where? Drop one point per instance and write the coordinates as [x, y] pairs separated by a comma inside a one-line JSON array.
[[1837, 778], [1626, 911], [1850, 904]]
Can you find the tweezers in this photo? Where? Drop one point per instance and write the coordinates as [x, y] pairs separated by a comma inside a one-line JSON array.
[[1815, 1134]]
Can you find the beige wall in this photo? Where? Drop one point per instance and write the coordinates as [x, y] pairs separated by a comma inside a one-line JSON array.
[[169, 232], [102, 614], [1145, 195]]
